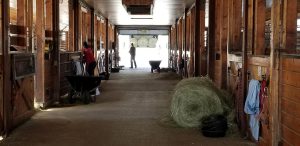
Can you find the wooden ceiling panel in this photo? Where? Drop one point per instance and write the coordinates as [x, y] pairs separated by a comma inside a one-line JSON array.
[[165, 12]]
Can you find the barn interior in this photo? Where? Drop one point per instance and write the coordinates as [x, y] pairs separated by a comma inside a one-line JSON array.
[[230, 43]]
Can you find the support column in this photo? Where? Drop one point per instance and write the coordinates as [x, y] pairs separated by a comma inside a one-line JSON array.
[[259, 27], [40, 64], [106, 49], [71, 26], [211, 39], [92, 28], [275, 120], [244, 60], [7, 114], [56, 61]]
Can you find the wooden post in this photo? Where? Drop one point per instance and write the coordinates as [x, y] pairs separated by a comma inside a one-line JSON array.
[[6, 67], [116, 46], [275, 119], [259, 27], [21, 13], [176, 45], [49, 15], [71, 26], [40, 64], [244, 59], [235, 22], [92, 19], [96, 36], [250, 9], [56, 61], [197, 38], [211, 38], [223, 43], [76, 38], [184, 43], [106, 48], [29, 24], [290, 24], [201, 40]]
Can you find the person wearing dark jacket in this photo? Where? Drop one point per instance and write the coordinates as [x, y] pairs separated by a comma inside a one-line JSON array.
[[132, 54]]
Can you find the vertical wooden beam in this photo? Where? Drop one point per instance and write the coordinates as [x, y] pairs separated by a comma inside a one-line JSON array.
[[40, 64], [184, 43], [235, 22], [176, 45], [203, 50], [21, 13], [106, 48], [179, 47], [259, 27], [92, 19], [6, 67], [250, 8], [76, 38], [30, 24], [116, 46], [170, 46], [197, 38], [56, 59], [237, 38], [244, 58], [49, 14], [223, 43], [275, 119], [71, 26], [211, 38], [290, 24]]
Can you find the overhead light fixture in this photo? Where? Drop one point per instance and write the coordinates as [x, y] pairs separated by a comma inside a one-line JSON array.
[[141, 16]]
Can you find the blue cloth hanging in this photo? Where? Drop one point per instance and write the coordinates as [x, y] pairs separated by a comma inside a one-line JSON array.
[[252, 107]]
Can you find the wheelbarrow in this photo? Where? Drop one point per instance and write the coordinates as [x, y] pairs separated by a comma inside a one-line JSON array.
[[82, 86], [155, 65]]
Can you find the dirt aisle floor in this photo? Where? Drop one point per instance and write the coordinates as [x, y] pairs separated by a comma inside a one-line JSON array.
[[128, 112]]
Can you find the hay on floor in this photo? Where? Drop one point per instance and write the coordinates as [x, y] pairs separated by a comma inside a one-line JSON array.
[[195, 98]]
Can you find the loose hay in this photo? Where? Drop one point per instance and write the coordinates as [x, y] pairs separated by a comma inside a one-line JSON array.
[[195, 98]]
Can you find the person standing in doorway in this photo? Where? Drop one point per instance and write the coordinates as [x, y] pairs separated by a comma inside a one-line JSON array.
[[132, 54]]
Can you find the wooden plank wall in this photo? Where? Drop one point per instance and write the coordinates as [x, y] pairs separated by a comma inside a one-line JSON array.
[[290, 100]]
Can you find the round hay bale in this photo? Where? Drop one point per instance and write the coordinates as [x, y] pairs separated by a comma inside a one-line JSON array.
[[190, 103]]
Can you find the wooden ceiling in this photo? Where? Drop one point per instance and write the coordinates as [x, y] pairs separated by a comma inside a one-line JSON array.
[[165, 12]]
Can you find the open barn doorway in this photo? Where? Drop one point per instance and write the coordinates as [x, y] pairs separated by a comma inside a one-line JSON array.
[[148, 47]]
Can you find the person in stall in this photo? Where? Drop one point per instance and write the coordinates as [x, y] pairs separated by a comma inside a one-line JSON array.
[[89, 59]]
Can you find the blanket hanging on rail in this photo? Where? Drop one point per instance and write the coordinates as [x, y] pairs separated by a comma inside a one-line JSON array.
[[252, 107]]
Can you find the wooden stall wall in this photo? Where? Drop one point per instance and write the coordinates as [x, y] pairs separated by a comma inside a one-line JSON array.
[[288, 76], [289, 100], [22, 96]]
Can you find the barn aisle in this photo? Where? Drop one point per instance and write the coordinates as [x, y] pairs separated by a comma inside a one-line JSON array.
[[127, 113]]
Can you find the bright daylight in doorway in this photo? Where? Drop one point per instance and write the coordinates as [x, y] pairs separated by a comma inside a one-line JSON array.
[[144, 54]]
